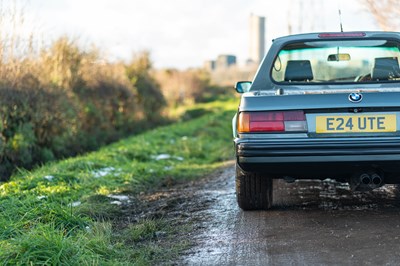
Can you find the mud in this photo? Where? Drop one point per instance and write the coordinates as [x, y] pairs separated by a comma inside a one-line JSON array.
[[312, 222]]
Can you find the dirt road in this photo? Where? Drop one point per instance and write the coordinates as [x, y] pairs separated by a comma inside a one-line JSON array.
[[311, 223]]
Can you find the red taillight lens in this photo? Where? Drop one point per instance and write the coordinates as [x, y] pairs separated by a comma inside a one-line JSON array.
[[294, 116], [341, 34], [271, 121], [267, 116], [259, 126]]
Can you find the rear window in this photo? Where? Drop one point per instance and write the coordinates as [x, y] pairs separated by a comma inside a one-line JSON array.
[[333, 61]]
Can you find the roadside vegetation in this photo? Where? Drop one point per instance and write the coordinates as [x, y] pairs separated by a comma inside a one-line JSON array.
[[66, 101], [66, 213], [64, 194], [63, 99]]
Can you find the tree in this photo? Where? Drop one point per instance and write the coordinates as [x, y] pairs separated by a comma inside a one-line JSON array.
[[385, 12]]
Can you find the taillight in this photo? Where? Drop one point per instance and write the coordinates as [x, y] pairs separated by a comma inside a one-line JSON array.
[[341, 34], [287, 121]]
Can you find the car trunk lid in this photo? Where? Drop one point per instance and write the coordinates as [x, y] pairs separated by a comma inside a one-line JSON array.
[[337, 114]]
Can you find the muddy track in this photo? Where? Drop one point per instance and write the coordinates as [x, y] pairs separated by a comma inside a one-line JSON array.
[[312, 222]]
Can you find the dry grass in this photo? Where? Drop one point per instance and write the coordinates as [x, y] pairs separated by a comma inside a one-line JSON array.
[[61, 100]]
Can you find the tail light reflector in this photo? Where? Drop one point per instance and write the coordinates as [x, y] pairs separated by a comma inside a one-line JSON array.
[[244, 122], [287, 121]]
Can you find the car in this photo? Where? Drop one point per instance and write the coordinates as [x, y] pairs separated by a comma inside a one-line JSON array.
[[321, 105]]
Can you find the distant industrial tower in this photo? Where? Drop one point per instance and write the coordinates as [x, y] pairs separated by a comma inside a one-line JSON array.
[[257, 38]]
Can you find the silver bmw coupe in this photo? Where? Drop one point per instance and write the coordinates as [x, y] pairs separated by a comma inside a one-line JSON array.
[[321, 105]]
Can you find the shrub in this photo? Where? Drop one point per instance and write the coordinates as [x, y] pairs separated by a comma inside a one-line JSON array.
[[188, 86], [67, 101], [148, 91], [31, 123]]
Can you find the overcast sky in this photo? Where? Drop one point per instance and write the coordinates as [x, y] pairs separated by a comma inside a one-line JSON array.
[[185, 33]]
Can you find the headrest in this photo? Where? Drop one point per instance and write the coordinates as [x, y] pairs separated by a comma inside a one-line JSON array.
[[385, 68], [298, 70]]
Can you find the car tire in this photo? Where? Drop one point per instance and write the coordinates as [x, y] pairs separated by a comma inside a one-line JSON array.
[[253, 190]]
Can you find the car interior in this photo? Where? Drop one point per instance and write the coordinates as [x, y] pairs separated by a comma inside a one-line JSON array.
[[385, 68], [298, 70]]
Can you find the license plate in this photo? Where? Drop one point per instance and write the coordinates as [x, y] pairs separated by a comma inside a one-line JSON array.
[[356, 123]]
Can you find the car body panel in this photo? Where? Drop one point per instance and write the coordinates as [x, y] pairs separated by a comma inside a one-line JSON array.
[[314, 154], [254, 102]]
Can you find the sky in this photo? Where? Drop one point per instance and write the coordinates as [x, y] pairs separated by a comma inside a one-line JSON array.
[[184, 33]]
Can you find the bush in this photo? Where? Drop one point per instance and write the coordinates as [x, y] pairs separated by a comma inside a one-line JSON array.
[[67, 101], [148, 91], [183, 87], [33, 123], [64, 100]]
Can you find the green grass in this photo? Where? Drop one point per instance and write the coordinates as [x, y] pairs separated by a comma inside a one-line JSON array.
[[61, 213]]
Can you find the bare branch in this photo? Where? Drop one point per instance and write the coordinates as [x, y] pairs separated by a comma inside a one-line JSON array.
[[385, 12]]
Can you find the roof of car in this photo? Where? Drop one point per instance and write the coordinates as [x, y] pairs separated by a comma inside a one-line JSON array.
[[338, 35]]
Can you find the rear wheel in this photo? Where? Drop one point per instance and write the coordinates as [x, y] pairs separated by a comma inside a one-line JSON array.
[[253, 190]]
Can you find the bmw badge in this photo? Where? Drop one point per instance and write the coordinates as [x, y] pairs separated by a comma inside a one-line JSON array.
[[355, 97]]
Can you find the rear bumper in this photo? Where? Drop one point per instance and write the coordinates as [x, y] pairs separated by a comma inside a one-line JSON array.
[[316, 157]]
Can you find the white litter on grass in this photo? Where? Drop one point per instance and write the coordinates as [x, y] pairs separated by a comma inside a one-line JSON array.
[[151, 171], [103, 172], [41, 197], [75, 204], [116, 202], [119, 197], [49, 177], [165, 156], [184, 138], [178, 158], [168, 168]]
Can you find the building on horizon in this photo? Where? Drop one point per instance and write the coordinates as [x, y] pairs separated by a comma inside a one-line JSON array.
[[257, 39], [225, 61], [222, 63], [209, 65]]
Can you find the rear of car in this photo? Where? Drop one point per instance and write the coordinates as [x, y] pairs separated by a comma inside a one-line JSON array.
[[321, 106]]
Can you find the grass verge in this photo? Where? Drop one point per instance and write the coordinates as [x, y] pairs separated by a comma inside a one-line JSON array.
[[66, 212]]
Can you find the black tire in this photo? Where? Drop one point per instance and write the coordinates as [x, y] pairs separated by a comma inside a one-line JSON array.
[[253, 190]]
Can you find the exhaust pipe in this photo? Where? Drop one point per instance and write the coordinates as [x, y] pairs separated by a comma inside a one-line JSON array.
[[366, 181], [376, 181]]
